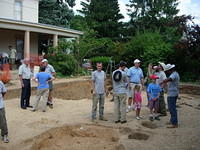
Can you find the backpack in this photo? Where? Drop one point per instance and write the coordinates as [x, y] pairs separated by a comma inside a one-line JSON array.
[[117, 76]]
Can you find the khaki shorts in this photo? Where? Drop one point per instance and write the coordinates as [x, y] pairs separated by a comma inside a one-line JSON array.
[[133, 88]]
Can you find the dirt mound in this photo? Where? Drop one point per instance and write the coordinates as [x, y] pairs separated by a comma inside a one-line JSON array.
[[84, 137], [138, 136], [149, 124]]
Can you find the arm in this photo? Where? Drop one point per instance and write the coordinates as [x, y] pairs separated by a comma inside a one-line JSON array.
[[20, 79]]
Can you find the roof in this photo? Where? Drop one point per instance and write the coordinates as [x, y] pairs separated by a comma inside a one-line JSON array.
[[39, 28]]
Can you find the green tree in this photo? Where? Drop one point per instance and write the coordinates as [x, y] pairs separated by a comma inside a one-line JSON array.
[[151, 14], [103, 16], [150, 47], [55, 12]]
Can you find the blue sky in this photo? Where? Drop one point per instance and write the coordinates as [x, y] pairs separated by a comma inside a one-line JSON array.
[[188, 7]]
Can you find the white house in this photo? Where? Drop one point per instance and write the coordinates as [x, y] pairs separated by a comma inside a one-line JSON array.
[[19, 28]]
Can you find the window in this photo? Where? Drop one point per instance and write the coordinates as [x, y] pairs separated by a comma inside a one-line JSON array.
[[18, 10]]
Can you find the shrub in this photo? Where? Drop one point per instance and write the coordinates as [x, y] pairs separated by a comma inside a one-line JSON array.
[[64, 64], [105, 61]]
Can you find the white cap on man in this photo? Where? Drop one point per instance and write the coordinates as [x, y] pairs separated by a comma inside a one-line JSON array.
[[136, 61], [44, 60]]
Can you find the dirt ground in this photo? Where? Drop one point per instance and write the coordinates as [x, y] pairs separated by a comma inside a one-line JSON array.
[[68, 127]]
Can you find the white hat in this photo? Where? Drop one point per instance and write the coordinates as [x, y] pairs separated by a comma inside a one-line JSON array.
[[168, 67], [44, 60], [136, 61], [162, 64]]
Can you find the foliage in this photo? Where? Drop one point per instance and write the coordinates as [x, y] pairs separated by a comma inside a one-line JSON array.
[[103, 16], [151, 14], [103, 59], [55, 13], [65, 64], [149, 47]]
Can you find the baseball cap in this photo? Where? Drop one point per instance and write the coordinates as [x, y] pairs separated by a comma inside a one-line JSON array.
[[137, 61], [44, 60], [154, 76]]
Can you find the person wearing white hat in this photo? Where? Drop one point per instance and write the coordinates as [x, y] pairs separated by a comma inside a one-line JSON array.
[[49, 69], [173, 92], [162, 76], [136, 76]]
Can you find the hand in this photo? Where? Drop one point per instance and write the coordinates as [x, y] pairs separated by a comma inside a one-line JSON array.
[[154, 99], [22, 85]]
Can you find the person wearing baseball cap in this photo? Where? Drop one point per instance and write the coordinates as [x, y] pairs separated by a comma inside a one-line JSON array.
[[153, 91], [173, 92], [136, 77], [49, 69]]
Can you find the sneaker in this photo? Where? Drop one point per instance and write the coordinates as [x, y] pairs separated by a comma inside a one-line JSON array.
[[138, 118], [173, 126], [157, 118], [151, 118], [128, 109], [33, 109], [122, 122], [117, 121], [5, 139], [51, 106]]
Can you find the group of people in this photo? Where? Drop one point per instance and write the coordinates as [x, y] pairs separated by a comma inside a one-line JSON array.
[[43, 77], [128, 85], [10, 57]]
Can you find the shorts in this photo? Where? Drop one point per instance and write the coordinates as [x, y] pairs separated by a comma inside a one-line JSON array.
[[129, 93], [153, 104], [50, 85], [133, 88], [138, 105]]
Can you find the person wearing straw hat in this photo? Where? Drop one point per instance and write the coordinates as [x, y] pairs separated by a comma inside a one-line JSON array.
[[173, 92], [136, 77], [161, 77]]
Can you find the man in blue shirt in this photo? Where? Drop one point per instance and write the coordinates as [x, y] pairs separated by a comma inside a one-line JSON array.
[[153, 91], [136, 76], [42, 78]]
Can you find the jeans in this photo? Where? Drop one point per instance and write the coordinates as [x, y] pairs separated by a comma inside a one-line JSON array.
[[98, 98], [172, 109], [26, 93]]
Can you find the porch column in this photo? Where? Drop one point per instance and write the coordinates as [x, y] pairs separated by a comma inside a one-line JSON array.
[[27, 44], [55, 40]]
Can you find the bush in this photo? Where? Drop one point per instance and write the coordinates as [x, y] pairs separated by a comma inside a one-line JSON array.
[[105, 61], [64, 64]]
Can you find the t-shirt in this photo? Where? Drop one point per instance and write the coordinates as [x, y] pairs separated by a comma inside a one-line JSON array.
[[43, 77], [13, 53], [161, 75], [49, 69], [173, 86], [99, 80], [154, 90], [120, 87], [2, 90], [135, 75]]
